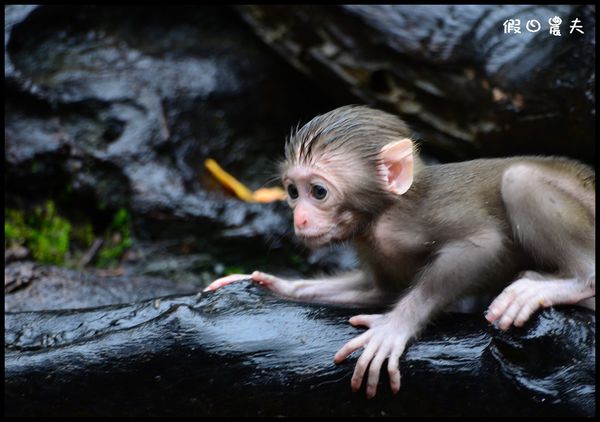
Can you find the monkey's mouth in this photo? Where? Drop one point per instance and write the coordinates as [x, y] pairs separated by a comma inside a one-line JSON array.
[[314, 240]]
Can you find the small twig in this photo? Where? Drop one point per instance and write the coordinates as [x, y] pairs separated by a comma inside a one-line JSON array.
[[90, 254]]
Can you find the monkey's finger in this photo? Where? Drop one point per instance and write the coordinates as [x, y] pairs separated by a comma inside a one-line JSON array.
[[537, 299], [527, 302], [517, 291], [375, 369], [394, 368], [364, 319], [265, 279], [513, 310], [500, 304], [275, 284], [529, 307], [223, 281], [362, 364], [354, 344]]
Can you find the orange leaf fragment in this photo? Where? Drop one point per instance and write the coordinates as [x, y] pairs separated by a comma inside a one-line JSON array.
[[269, 194], [240, 190]]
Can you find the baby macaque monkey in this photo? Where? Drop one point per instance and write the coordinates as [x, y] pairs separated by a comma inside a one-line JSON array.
[[426, 235]]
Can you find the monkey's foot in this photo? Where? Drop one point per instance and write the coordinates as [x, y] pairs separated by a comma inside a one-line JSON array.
[[522, 298]]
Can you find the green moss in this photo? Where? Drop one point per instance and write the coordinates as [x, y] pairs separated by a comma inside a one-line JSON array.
[[15, 230], [43, 232], [50, 236], [116, 241]]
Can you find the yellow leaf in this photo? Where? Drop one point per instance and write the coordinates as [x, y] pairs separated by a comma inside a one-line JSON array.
[[228, 180], [241, 191], [269, 194]]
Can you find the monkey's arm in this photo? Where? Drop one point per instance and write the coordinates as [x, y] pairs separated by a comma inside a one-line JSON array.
[[457, 266], [353, 289]]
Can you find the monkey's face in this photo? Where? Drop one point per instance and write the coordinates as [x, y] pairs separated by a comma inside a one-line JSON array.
[[315, 195]]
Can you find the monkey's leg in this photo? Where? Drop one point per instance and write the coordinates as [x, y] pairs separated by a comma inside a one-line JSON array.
[[553, 218]]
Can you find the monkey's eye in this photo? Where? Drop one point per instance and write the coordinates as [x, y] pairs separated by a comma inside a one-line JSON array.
[[292, 191], [319, 192]]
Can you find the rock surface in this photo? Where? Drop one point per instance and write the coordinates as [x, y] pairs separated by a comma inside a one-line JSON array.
[[122, 105], [468, 88], [242, 352], [33, 287]]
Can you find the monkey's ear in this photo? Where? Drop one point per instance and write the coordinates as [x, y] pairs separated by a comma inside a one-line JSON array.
[[397, 166]]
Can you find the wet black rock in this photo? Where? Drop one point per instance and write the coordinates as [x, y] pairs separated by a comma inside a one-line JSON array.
[[467, 88], [240, 351], [122, 105]]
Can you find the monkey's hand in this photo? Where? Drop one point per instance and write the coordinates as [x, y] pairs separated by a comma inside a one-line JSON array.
[[385, 338], [275, 284]]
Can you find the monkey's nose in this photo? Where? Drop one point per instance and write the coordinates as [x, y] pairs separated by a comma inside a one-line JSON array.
[[300, 221]]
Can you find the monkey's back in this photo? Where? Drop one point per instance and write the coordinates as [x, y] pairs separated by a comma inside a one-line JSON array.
[[475, 187]]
